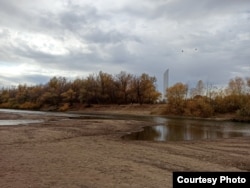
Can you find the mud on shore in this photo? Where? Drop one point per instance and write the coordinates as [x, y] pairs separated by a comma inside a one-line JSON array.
[[63, 152]]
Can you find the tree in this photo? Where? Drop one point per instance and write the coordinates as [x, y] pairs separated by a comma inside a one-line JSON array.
[[248, 85], [101, 88], [76, 86], [35, 92], [22, 94], [236, 86], [4, 98], [90, 91], [123, 85], [236, 91], [106, 83], [69, 96], [244, 110], [148, 92], [55, 87], [176, 96], [199, 106]]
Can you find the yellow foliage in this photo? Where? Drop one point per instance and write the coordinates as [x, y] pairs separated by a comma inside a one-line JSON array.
[[64, 107], [5, 105], [198, 108], [244, 110], [29, 105]]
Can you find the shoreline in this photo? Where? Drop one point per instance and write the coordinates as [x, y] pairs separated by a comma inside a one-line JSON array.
[[64, 152], [143, 110]]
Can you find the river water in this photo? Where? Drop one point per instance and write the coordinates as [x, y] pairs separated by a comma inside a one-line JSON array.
[[29, 121], [165, 129], [183, 129]]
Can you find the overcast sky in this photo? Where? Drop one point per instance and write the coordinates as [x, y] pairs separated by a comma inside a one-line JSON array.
[[205, 40]]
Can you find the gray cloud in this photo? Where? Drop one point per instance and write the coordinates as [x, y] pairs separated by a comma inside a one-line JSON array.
[[146, 36], [25, 79]]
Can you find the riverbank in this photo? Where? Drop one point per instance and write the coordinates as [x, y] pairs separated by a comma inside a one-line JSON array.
[[64, 152], [131, 109], [153, 109], [137, 109]]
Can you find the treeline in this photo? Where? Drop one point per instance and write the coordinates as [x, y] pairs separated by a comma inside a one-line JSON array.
[[101, 88], [206, 100]]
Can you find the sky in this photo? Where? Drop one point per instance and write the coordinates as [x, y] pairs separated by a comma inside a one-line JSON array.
[[205, 40]]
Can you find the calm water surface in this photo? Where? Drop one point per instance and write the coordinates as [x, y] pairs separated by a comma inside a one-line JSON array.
[[181, 129], [28, 121], [164, 130]]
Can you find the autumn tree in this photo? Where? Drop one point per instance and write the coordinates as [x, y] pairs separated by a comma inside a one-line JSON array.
[[236, 86], [22, 93], [243, 97], [35, 92], [107, 87], [144, 89], [75, 85], [69, 96], [235, 94], [248, 85], [176, 96], [199, 107], [5, 98], [90, 90], [53, 90], [101, 88], [123, 86]]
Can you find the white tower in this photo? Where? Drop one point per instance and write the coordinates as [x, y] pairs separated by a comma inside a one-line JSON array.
[[165, 83]]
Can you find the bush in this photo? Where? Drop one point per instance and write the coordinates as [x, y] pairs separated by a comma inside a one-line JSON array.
[[5, 105], [244, 110], [64, 107], [199, 108], [29, 106]]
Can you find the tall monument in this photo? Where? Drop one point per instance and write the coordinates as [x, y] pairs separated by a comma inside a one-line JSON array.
[[165, 83]]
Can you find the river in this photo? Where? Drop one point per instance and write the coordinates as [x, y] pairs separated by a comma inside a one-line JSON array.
[[165, 129]]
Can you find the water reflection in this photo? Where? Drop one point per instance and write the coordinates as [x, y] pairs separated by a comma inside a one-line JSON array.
[[174, 130], [166, 129]]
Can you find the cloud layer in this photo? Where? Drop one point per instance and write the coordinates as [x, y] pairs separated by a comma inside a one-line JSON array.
[[208, 40]]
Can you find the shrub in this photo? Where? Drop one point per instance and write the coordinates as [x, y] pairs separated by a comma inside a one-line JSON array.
[[244, 110], [29, 105], [64, 107]]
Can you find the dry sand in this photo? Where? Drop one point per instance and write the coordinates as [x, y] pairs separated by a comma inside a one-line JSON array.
[[78, 153]]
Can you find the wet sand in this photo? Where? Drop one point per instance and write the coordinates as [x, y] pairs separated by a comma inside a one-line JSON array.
[[80, 153]]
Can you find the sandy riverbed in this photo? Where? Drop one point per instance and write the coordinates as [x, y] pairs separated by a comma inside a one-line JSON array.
[[80, 153]]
